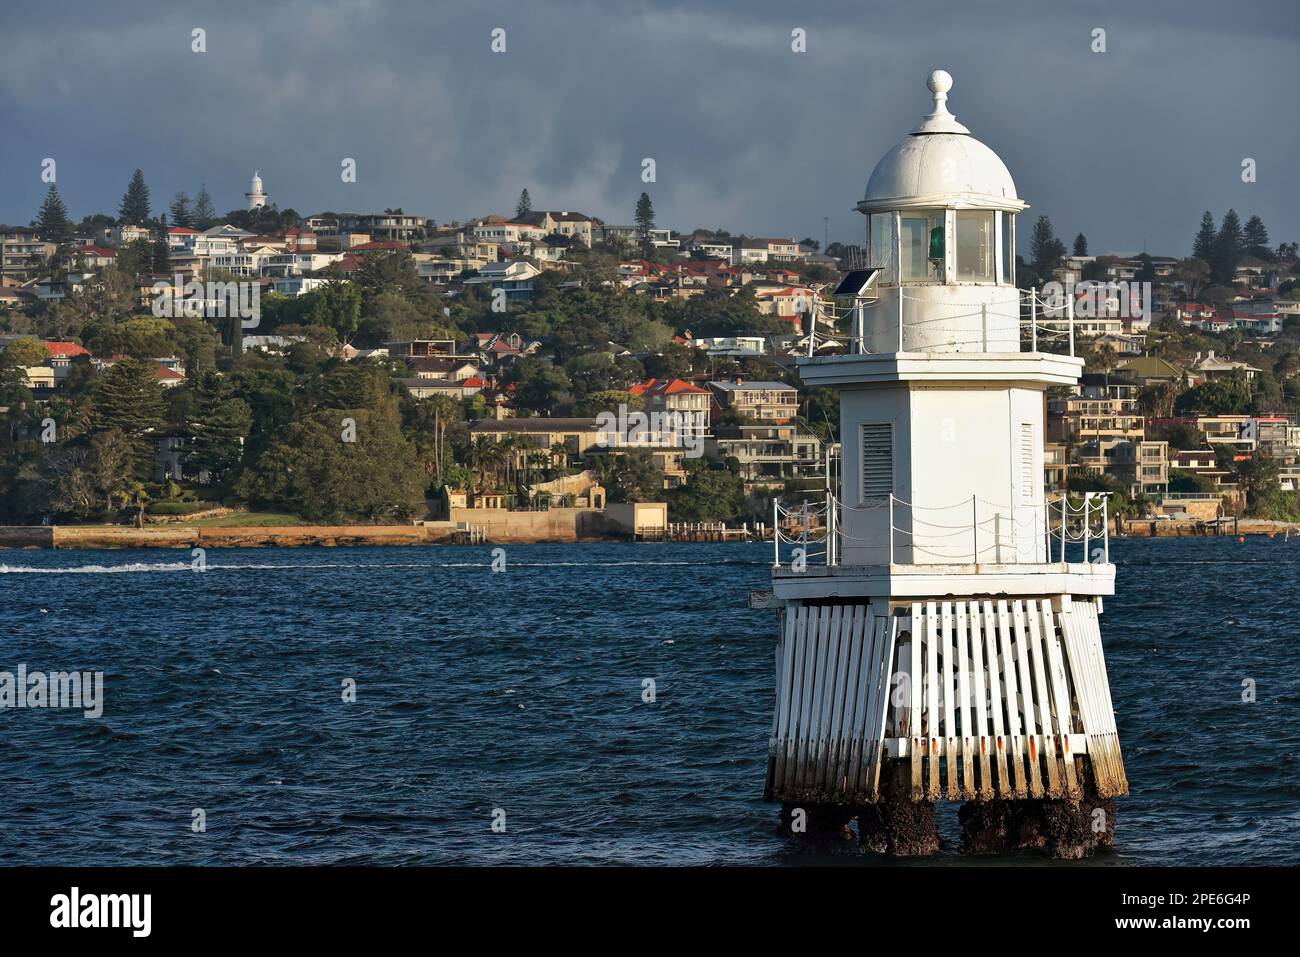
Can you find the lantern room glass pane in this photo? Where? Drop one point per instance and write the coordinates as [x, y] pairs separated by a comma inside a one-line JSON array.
[[974, 245], [1008, 276], [922, 245], [882, 242]]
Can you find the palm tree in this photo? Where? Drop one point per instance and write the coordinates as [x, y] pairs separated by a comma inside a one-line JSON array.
[[485, 456]]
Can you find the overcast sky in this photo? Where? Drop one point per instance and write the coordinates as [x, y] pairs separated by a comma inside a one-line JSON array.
[[1128, 146]]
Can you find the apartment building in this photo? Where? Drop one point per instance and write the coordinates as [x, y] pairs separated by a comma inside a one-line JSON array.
[[769, 455], [23, 253], [762, 401]]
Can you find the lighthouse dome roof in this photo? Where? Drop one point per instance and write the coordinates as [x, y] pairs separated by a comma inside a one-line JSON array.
[[940, 161]]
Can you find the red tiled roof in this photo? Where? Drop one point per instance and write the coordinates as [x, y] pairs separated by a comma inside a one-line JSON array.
[[184, 230], [666, 387], [65, 349], [474, 382]]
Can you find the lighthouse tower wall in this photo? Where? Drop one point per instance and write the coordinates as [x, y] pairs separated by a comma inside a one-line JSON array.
[[963, 463]]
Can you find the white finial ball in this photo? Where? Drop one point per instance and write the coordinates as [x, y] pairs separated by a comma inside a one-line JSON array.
[[940, 81]]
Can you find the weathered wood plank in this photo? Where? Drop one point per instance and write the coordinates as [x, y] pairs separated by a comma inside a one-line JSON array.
[[932, 717], [883, 656], [997, 703], [919, 743], [1025, 685], [1012, 697], [1061, 705], [1038, 662], [967, 738], [980, 704], [948, 706]]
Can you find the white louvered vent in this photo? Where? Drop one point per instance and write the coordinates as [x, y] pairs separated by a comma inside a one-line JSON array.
[[877, 462], [1027, 462]]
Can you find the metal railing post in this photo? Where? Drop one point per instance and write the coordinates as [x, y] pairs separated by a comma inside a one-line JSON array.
[[1105, 526], [1069, 304], [1087, 523], [1033, 321], [900, 318], [891, 528], [1065, 498], [776, 534]]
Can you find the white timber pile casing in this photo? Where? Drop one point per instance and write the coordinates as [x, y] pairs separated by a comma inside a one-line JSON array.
[[985, 699]]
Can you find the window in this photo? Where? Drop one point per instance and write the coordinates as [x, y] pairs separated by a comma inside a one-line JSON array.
[[882, 242], [922, 245], [974, 245], [877, 462], [1008, 249]]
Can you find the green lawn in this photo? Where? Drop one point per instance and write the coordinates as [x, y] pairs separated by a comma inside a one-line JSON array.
[[245, 520]]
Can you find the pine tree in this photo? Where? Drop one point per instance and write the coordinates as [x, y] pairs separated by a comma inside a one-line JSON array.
[[134, 210], [645, 217], [1044, 247], [1203, 246], [1228, 246], [1255, 238], [182, 215], [52, 221], [204, 214], [1081, 245], [524, 206], [220, 423], [130, 400], [162, 255]]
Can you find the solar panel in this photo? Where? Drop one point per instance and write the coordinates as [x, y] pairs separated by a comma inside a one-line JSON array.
[[856, 282]]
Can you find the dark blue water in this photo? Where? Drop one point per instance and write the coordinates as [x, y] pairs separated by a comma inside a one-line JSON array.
[[522, 691]]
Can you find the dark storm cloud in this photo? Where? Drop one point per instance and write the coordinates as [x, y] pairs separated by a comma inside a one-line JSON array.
[[1127, 146]]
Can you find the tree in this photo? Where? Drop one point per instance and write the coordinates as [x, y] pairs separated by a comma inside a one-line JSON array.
[[1227, 248], [204, 214], [1206, 236], [219, 425], [1045, 248], [129, 400], [308, 468], [631, 476], [134, 210], [1193, 274], [1081, 245], [24, 353], [1255, 238], [524, 206], [709, 495], [162, 253], [336, 305], [645, 217], [182, 215], [52, 223]]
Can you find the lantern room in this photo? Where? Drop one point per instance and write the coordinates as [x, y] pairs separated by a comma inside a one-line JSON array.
[[941, 218]]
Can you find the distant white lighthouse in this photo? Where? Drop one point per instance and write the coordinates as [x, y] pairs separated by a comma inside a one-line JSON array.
[[939, 613], [256, 196]]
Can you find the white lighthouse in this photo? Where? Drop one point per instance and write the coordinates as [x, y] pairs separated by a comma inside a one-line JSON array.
[[939, 612], [256, 196]]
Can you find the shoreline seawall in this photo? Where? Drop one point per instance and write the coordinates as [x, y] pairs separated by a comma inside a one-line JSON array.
[[281, 536]]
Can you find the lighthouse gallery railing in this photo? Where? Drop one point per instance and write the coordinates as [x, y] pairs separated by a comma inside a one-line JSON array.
[[1042, 320], [814, 531]]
